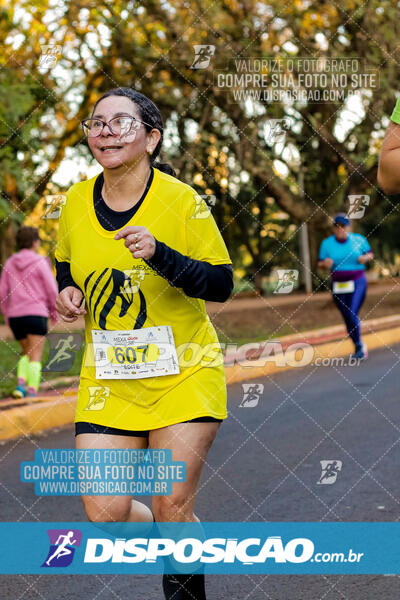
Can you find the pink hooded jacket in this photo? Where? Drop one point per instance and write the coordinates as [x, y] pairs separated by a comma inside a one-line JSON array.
[[28, 286]]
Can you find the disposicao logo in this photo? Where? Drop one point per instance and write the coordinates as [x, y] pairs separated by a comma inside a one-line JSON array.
[[63, 543], [187, 550]]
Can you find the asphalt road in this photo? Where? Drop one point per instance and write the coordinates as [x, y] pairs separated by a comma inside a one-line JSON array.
[[263, 466]]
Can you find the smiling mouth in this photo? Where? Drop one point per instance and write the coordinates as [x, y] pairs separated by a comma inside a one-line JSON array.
[[110, 148]]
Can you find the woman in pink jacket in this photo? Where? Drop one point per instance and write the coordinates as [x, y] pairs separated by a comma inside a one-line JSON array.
[[28, 292]]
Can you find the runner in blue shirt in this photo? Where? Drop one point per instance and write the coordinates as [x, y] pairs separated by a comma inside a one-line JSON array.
[[346, 254]]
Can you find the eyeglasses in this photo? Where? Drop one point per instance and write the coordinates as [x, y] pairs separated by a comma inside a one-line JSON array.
[[117, 126]]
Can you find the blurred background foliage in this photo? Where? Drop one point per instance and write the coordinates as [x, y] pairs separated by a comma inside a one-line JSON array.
[[217, 146]]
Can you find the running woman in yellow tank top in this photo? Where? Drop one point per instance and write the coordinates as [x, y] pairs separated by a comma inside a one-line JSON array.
[[144, 252]]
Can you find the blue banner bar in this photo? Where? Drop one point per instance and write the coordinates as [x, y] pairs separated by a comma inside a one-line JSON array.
[[228, 547]]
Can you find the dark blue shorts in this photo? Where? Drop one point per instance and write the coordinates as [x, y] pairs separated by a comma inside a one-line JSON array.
[[84, 427]]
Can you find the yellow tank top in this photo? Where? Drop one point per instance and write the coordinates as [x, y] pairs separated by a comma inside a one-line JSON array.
[[175, 214]]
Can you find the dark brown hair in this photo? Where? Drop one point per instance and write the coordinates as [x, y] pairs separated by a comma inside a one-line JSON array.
[[148, 113], [26, 236]]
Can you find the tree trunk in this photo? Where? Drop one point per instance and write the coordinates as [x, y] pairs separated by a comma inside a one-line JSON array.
[[7, 242], [257, 279]]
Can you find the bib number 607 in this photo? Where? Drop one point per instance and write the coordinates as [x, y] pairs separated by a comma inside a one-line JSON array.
[[132, 354]]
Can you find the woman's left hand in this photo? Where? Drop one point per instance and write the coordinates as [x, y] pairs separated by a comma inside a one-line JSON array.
[[138, 240], [364, 258]]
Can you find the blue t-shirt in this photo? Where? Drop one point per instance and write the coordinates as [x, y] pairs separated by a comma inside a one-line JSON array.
[[344, 254]]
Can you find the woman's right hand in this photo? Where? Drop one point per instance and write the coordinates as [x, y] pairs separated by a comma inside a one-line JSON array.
[[328, 262], [67, 304]]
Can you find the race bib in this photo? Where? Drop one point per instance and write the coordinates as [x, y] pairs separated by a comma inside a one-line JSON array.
[[343, 287], [134, 354]]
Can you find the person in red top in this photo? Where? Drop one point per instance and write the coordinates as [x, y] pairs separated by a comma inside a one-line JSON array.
[[28, 292]]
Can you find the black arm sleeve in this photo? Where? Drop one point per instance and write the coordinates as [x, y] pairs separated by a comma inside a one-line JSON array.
[[63, 275], [197, 278]]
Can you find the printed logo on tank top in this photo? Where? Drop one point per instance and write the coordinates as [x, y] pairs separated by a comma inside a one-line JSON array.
[[112, 292]]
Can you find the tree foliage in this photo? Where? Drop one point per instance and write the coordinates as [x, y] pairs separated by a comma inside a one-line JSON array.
[[215, 144]]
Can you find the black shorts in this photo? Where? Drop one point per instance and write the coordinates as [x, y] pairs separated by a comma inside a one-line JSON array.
[[84, 427], [23, 326]]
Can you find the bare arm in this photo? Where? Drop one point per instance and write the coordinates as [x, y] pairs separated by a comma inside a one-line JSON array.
[[389, 160]]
